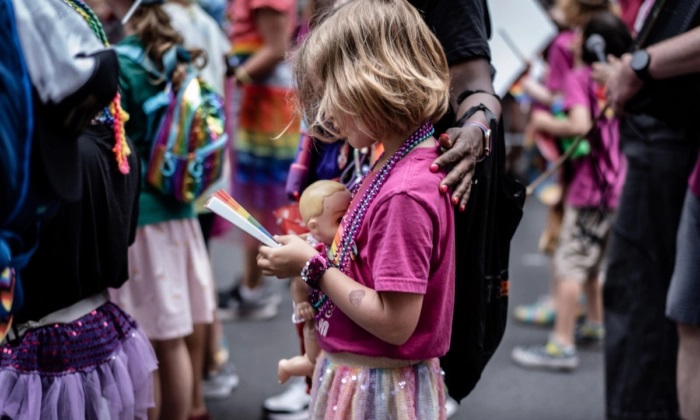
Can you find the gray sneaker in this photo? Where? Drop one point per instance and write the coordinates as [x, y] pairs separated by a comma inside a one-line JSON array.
[[232, 306], [589, 334], [551, 356], [220, 384]]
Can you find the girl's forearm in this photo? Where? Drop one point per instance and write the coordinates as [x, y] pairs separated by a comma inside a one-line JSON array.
[[391, 317], [558, 128]]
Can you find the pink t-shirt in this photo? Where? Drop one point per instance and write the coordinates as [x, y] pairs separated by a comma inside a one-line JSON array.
[[560, 59], [598, 177], [694, 182], [243, 19], [405, 244]]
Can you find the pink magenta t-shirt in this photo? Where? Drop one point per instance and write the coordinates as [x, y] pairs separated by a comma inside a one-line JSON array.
[[694, 182], [405, 244], [560, 59], [598, 177], [243, 20]]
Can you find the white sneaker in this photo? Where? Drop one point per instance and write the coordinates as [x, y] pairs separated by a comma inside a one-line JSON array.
[[292, 404], [451, 407]]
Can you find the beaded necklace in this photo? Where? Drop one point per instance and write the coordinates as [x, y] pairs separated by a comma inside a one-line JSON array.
[[341, 260], [112, 114]]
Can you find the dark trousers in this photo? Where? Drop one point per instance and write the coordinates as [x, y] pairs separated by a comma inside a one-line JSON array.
[[641, 343]]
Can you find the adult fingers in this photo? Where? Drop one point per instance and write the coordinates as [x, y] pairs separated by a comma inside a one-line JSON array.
[[455, 148], [465, 171]]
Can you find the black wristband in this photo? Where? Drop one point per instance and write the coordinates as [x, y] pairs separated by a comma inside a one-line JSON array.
[[490, 116], [468, 92]]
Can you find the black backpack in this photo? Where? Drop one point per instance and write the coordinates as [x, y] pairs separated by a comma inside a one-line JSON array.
[[483, 235]]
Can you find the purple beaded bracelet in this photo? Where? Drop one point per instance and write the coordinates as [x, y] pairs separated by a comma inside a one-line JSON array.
[[313, 270]]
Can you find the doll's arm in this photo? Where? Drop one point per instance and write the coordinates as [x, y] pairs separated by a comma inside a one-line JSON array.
[[299, 290], [300, 296], [310, 344]]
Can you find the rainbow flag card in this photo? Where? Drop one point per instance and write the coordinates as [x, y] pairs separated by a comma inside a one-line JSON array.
[[225, 206]]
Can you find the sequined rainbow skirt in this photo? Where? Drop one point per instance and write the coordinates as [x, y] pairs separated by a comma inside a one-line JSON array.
[[97, 367], [351, 391]]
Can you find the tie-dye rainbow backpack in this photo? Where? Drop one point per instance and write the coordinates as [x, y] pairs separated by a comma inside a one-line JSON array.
[[189, 145]]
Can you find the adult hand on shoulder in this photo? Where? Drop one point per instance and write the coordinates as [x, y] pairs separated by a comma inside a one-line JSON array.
[[286, 260], [622, 84], [463, 146]]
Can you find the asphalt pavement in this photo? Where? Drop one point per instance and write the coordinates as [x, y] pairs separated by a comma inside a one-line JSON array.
[[505, 392]]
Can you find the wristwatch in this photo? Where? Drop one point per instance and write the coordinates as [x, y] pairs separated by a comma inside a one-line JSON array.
[[640, 65]]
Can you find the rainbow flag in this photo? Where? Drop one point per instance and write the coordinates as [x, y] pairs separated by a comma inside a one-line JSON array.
[[225, 206]]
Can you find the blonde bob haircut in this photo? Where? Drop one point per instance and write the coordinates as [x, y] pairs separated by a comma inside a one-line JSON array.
[[375, 62], [311, 201]]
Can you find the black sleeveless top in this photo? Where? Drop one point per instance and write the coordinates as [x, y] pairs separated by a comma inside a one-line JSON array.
[[83, 246]]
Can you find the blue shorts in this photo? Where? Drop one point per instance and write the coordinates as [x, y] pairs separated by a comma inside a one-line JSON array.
[[683, 301]]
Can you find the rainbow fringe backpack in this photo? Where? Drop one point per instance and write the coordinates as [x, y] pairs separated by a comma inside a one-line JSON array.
[[189, 146]]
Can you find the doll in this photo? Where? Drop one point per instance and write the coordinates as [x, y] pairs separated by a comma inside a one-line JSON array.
[[322, 206]]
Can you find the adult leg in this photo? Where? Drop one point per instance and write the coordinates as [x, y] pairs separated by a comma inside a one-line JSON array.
[[641, 344], [683, 307]]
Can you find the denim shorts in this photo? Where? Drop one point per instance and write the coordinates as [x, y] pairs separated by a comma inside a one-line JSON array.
[[683, 301]]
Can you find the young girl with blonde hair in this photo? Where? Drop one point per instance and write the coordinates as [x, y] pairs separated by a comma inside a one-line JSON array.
[[373, 72]]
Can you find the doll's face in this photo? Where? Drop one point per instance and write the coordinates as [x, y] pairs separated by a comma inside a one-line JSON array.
[[326, 225]]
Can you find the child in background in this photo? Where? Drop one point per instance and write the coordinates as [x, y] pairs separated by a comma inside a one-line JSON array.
[[322, 206], [207, 344], [261, 34], [568, 14], [591, 198], [373, 72], [171, 282]]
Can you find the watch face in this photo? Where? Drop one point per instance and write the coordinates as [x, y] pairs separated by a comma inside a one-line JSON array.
[[640, 60]]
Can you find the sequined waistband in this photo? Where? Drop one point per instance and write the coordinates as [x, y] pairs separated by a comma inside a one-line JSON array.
[[78, 346], [65, 315], [360, 361]]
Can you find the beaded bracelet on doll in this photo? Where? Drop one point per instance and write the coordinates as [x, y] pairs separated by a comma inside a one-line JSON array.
[[313, 270]]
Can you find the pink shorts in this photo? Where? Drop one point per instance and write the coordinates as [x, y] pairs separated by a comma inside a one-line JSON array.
[[170, 286]]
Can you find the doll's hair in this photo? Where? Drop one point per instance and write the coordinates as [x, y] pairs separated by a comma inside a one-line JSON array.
[[375, 62], [311, 201], [579, 12], [151, 24], [618, 39]]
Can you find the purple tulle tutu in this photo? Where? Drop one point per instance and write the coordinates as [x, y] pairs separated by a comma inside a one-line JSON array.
[[97, 367]]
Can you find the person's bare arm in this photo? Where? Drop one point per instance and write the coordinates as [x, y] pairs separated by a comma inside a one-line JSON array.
[[673, 57], [274, 29], [577, 122], [677, 56], [390, 316], [465, 144]]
